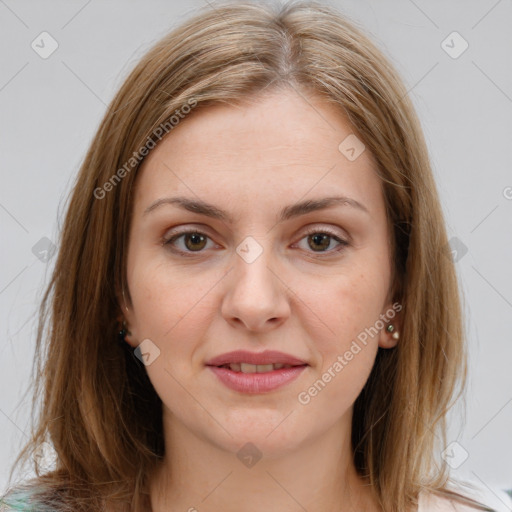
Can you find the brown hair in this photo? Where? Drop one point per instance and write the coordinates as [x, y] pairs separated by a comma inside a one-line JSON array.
[[91, 389]]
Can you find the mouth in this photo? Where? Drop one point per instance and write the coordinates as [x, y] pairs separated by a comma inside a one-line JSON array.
[[256, 368], [256, 372], [256, 379], [255, 362]]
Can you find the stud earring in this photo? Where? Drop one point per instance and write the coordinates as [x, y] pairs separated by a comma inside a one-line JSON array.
[[121, 336], [391, 328]]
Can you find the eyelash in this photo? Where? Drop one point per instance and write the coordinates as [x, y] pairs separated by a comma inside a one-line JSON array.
[[325, 231]]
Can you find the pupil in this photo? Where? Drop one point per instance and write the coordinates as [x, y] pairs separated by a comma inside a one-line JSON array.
[[196, 238], [322, 237]]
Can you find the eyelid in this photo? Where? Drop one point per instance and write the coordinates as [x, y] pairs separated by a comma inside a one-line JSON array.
[[187, 228], [329, 230], [204, 229]]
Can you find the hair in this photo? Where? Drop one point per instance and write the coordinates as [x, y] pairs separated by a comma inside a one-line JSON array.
[[99, 410]]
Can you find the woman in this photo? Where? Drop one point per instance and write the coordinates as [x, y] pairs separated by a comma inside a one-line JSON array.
[[252, 307]]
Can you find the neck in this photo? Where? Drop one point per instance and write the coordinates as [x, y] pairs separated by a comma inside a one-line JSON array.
[[317, 476]]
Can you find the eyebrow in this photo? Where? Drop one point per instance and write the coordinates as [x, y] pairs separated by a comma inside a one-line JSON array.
[[288, 212]]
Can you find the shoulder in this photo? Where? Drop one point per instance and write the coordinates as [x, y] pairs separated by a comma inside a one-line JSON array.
[[434, 502], [15, 500], [23, 499]]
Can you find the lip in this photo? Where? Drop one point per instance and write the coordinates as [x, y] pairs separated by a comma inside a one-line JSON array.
[[266, 357], [257, 382]]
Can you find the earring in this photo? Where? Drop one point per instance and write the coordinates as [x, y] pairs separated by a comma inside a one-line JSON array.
[[121, 336], [391, 328]]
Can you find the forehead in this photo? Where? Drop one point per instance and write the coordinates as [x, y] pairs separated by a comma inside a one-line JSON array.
[[280, 148]]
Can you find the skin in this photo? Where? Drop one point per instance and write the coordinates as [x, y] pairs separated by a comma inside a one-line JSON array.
[[298, 296]]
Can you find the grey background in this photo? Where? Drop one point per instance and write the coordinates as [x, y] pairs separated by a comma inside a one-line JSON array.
[[50, 109]]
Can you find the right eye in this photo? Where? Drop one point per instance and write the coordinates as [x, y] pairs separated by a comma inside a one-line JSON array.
[[193, 240]]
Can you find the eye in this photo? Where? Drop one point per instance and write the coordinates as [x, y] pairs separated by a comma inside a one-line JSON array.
[[321, 239], [194, 241]]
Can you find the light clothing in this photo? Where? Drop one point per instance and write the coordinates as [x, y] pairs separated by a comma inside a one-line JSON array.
[[497, 500], [427, 502]]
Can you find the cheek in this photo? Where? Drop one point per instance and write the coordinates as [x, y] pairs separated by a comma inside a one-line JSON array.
[[350, 306], [173, 310], [347, 350], [350, 303], [163, 296]]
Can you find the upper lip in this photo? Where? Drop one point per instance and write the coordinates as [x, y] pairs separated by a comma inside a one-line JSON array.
[[266, 357]]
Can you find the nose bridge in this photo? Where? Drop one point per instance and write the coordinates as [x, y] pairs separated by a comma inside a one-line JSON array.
[[253, 263], [255, 293]]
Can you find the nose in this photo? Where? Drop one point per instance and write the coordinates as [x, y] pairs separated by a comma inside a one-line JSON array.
[[256, 295]]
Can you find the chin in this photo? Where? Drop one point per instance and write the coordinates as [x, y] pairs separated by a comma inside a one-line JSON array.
[[271, 432]]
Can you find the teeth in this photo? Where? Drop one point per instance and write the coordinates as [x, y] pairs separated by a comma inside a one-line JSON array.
[[262, 368], [248, 368], [255, 368]]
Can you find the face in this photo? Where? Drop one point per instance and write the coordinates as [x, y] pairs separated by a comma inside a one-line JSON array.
[[307, 284]]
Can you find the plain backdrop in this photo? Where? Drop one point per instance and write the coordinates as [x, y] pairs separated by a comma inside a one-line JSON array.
[[455, 58]]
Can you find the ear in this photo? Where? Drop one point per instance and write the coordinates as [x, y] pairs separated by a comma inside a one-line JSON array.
[[125, 315], [391, 316]]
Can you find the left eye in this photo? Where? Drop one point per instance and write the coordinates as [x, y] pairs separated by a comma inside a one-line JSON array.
[[322, 240], [195, 241]]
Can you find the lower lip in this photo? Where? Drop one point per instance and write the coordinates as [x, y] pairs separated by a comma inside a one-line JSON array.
[[257, 382]]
